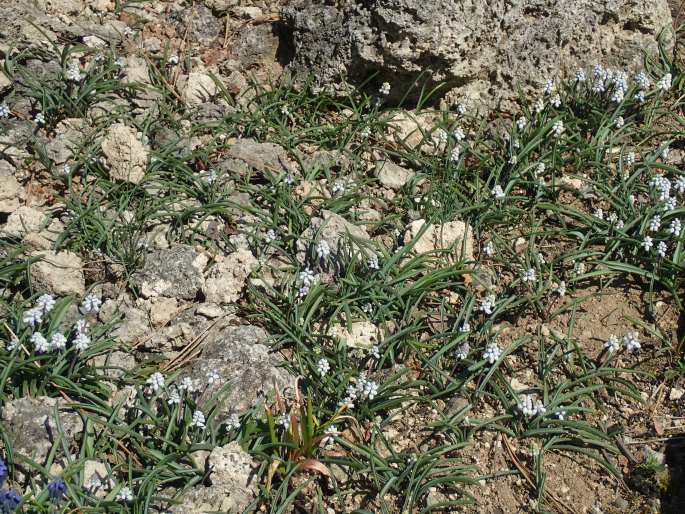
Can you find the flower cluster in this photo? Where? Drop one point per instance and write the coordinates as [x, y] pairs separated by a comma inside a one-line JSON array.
[[463, 351], [9, 500], [198, 420], [372, 262], [35, 316], [631, 342], [323, 249], [530, 407], [528, 275], [73, 72], [492, 352], [487, 304], [323, 367], [125, 495], [43, 306], [155, 381], [307, 279], [363, 389], [56, 490]]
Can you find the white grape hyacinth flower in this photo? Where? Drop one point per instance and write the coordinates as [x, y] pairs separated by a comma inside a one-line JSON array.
[[498, 192], [198, 420], [612, 344], [631, 342], [91, 304], [492, 353], [323, 250], [125, 495], [487, 304], [323, 367], [155, 381]]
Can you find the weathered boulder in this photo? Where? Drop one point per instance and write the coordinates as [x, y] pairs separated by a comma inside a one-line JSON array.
[[268, 158], [125, 154], [226, 280], [359, 334], [69, 135], [455, 236], [233, 483], [10, 192], [393, 176], [240, 357], [331, 228], [32, 426], [198, 24], [59, 273], [23, 220], [197, 88], [480, 49], [174, 273]]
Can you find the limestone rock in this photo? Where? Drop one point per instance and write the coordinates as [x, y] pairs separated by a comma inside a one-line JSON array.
[[264, 157], [256, 44], [5, 83], [125, 154], [61, 6], [22, 221], [393, 176], [456, 236], [209, 310], [360, 334], [115, 363], [94, 473], [198, 24], [676, 394], [226, 279], [10, 191], [330, 227], [410, 129], [68, 137], [241, 359], [232, 473], [137, 70], [31, 425], [174, 273], [45, 239], [326, 160], [15, 137], [197, 88], [58, 273], [480, 49], [134, 325], [162, 310]]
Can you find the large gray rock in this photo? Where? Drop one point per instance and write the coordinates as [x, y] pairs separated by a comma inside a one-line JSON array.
[[69, 135], [198, 24], [125, 155], [233, 483], [173, 273], [32, 426], [480, 49], [332, 228], [226, 279], [59, 273], [267, 158], [241, 359]]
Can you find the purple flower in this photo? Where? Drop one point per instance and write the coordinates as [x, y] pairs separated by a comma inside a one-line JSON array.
[[56, 490], [3, 471], [9, 500]]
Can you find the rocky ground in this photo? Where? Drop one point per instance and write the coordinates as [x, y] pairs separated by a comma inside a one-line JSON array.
[[252, 260]]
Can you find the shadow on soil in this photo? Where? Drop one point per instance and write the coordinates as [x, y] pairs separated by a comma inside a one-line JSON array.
[[673, 499]]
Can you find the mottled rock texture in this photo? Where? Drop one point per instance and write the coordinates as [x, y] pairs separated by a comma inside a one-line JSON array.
[[480, 49], [241, 359]]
